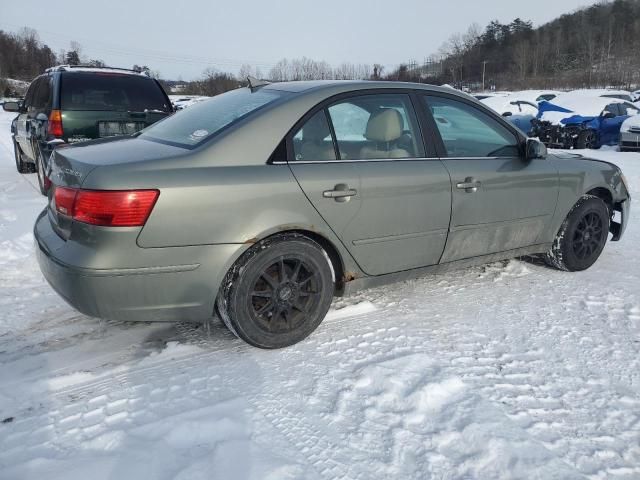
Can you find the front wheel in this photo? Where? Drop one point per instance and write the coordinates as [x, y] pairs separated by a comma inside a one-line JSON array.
[[582, 236], [587, 139], [278, 292]]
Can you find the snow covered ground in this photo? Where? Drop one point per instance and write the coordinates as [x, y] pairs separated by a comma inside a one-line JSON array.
[[511, 370]]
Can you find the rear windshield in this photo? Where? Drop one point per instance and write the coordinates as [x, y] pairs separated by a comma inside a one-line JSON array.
[[201, 121], [111, 92]]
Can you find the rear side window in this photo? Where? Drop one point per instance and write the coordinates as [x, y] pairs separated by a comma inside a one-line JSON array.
[[376, 126], [111, 92], [313, 141], [468, 132], [42, 94], [194, 125]]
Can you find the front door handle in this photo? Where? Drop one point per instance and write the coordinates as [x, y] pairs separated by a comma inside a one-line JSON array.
[[470, 185], [340, 193]]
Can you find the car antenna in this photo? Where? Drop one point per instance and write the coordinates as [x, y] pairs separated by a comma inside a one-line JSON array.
[[254, 83]]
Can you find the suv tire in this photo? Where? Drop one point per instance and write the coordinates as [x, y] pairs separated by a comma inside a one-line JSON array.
[[21, 165]]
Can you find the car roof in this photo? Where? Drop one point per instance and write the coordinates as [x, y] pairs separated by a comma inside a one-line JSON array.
[[332, 87], [88, 69]]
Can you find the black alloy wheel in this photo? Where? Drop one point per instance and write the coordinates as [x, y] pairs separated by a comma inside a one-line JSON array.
[[284, 293], [587, 237], [582, 235], [278, 291]]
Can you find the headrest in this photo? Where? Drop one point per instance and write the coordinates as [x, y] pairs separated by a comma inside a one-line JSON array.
[[316, 128], [384, 126]]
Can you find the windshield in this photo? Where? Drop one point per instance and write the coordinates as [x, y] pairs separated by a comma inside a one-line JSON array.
[[201, 121], [112, 92]]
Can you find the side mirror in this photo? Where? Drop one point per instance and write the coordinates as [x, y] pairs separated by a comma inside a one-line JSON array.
[[11, 107], [507, 114], [607, 114], [535, 149]]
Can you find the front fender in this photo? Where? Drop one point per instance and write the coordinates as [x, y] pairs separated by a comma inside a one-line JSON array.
[[579, 176]]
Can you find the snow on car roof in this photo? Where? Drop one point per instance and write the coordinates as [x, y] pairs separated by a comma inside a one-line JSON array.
[[502, 104], [585, 105], [578, 104], [599, 92]]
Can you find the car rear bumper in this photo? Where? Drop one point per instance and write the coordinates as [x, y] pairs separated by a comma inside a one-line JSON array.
[[181, 292]]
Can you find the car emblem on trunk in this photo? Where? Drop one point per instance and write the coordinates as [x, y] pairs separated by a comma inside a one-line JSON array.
[[69, 171]]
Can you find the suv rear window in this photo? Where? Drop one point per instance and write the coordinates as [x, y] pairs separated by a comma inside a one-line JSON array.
[[111, 92], [194, 125]]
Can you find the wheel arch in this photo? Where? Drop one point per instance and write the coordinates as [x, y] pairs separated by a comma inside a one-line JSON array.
[[332, 251], [604, 194]]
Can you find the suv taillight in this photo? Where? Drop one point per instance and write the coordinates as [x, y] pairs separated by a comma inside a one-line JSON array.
[[108, 208], [55, 124]]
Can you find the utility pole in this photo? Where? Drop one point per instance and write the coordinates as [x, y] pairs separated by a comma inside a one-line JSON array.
[[484, 69]]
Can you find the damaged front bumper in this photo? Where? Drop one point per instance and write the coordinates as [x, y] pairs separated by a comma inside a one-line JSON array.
[[617, 228]]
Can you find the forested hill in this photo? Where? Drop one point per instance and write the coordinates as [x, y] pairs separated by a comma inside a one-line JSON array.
[[23, 56], [594, 46]]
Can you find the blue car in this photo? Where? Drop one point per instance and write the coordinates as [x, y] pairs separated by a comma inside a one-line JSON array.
[[580, 121]]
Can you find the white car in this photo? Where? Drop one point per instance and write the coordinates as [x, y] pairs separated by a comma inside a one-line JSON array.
[[604, 92], [630, 134], [520, 108]]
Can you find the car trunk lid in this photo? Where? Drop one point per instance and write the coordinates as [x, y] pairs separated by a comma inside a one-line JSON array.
[[70, 166]]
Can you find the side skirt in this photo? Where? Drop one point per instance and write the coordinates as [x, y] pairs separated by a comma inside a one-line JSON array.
[[362, 283]]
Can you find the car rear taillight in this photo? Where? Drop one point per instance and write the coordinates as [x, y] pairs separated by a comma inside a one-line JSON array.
[[108, 208], [55, 124]]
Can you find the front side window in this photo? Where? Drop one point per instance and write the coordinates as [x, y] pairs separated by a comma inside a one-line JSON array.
[[468, 132], [611, 109], [313, 141], [31, 93], [376, 127], [193, 125]]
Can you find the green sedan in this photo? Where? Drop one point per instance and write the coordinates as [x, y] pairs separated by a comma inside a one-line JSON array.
[[262, 204]]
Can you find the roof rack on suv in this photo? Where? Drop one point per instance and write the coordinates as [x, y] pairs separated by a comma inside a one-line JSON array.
[[89, 68]]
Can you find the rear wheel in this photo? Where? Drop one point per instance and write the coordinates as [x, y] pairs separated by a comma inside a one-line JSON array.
[[21, 165], [278, 292], [40, 170], [582, 236], [587, 139]]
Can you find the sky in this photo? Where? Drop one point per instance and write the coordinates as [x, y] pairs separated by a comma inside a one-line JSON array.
[[182, 38]]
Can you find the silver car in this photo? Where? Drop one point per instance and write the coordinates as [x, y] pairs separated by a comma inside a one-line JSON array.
[[264, 203], [630, 132]]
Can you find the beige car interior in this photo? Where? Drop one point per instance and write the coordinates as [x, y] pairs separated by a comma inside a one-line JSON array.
[[314, 146], [384, 129]]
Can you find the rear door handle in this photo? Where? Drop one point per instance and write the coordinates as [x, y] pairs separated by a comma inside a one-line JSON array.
[[340, 193], [470, 185]]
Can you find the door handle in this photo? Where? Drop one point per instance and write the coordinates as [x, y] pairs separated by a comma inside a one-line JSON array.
[[340, 193], [470, 185]]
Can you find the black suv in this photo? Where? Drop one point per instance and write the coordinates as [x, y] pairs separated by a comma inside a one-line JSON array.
[[71, 104]]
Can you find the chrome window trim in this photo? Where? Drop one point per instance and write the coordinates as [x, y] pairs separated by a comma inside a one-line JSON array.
[[354, 160]]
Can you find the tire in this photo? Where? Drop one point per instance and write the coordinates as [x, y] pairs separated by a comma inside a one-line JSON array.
[[40, 170], [21, 165], [581, 237], [269, 309], [587, 139]]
